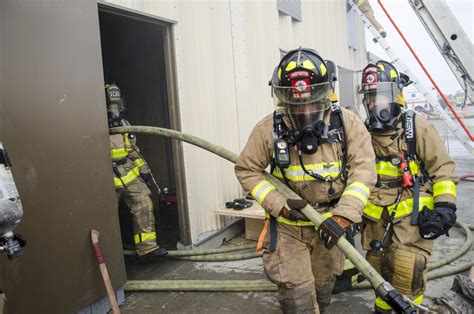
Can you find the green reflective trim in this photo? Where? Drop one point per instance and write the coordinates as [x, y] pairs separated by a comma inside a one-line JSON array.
[[414, 169], [381, 304], [261, 190], [404, 208], [139, 162], [296, 172], [143, 237], [444, 187], [117, 182], [386, 168], [118, 153], [126, 179]]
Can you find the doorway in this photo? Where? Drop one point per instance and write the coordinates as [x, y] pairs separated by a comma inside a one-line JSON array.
[[136, 57]]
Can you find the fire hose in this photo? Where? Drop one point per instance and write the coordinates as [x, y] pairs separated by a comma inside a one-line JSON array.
[[382, 288]]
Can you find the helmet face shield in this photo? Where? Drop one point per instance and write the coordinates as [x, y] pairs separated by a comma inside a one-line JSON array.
[[379, 97], [383, 104], [306, 116], [301, 92]]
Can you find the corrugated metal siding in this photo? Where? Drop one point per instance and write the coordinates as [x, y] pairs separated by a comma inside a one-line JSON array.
[[226, 53]]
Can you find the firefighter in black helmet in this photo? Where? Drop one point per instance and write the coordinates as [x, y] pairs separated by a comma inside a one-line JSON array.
[[323, 153], [414, 199], [132, 177]]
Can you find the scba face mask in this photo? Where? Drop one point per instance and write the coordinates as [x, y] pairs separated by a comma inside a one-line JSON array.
[[383, 105], [308, 125]]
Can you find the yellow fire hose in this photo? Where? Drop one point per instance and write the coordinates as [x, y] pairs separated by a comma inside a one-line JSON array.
[[381, 287]]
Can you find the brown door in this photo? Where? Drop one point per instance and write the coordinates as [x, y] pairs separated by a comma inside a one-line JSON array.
[[53, 122]]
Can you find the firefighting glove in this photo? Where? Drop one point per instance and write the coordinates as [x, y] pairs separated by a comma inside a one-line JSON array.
[[331, 229], [294, 212], [434, 223]]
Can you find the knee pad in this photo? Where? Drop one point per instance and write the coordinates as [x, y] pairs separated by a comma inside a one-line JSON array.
[[408, 271], [378, 260]]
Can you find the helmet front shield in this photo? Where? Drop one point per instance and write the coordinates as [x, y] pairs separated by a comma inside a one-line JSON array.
[[301, 92]]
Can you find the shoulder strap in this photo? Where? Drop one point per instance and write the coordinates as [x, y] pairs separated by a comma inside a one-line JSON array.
[[408, 123]]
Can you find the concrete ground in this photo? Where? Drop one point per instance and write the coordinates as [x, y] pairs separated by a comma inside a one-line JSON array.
[[258, 302]]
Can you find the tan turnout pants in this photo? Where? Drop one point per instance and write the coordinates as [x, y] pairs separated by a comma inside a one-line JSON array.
[[304, 270]]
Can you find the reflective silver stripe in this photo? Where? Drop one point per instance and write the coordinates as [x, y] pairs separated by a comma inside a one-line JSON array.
[[261, 190]]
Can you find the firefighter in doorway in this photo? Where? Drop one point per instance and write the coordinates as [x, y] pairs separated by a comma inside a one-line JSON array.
[[414, 199], [132, 177], [323, 153]]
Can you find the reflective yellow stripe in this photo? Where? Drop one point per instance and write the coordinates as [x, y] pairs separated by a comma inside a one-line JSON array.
[[139, 162], [117, 182], [296, 172], [348, 264], [404, 207], [261, 190], [359, 190], [418, 299], [381, 304], [444, 187], [126, 179], [386, 168], [118, 153], [414, 167], [298, 223], [143, 237]]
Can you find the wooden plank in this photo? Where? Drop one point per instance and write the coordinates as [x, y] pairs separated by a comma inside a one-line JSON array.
[[255, 211]]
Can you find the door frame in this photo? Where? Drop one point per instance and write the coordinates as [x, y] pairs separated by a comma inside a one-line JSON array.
[[173, 105]]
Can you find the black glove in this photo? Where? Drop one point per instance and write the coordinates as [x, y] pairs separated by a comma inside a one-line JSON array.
[[331, 229], [434, 223], [295, 206]]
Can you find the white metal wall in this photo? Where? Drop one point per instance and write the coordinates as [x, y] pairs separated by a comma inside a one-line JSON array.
[[226, 52]]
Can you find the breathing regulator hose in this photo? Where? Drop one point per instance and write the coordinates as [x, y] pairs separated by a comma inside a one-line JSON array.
[[382, 288]]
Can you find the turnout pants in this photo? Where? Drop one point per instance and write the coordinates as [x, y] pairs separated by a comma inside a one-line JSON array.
[[304, 270], [136, 196], [403, 261]]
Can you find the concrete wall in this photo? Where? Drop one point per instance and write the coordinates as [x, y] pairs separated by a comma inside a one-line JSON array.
[[226, 52]]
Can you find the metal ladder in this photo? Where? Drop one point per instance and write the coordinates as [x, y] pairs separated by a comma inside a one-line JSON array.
[[402, 67]]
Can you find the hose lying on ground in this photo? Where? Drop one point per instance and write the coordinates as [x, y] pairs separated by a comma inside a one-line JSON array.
[[225, 249], [381, 286], [265, 285]]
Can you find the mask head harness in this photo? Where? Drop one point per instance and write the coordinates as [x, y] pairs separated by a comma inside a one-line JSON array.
[[115, 105], [302, 84], [383, 99]]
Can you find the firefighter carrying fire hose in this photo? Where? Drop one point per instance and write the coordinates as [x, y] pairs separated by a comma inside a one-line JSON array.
[[323, 153], [414, 199], [132, 177]]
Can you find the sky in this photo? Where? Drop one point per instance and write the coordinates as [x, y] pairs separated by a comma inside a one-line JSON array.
[[403, 14]]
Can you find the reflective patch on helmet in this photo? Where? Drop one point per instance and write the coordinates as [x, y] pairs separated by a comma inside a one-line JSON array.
[[323, 69], [291, 65], [307, 64], [382, 67], [393, 74]]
